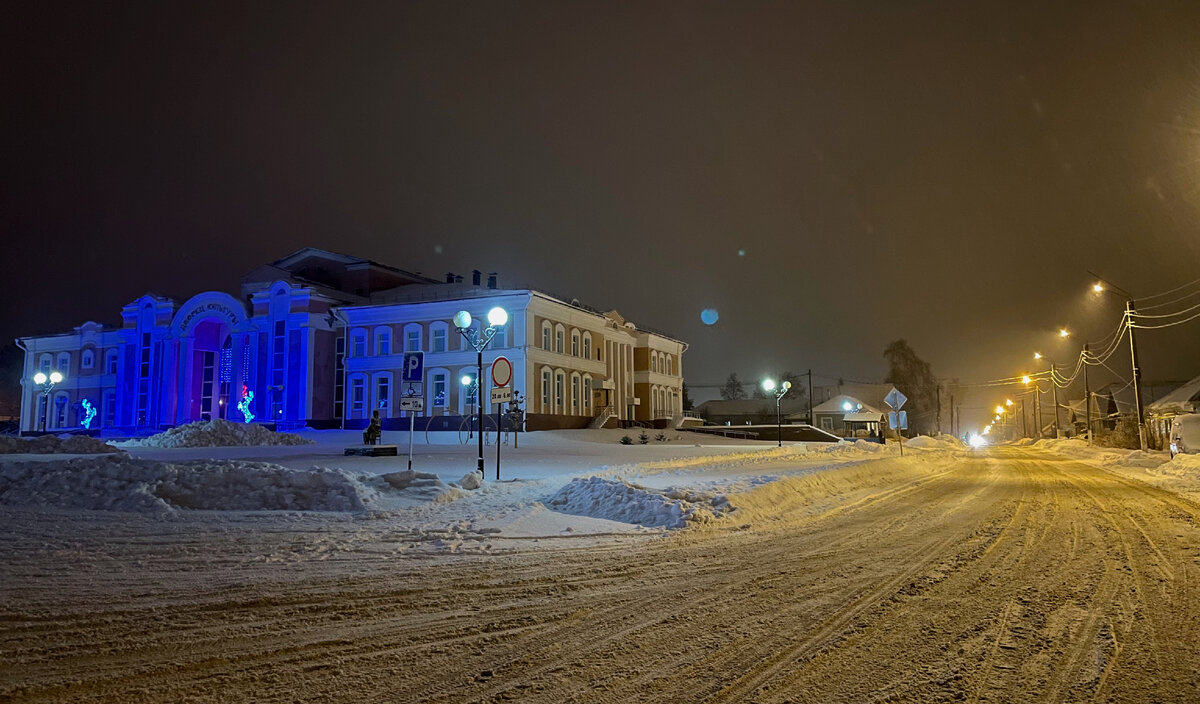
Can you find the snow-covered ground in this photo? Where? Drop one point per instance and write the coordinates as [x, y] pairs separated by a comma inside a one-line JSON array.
[[1155, 467]]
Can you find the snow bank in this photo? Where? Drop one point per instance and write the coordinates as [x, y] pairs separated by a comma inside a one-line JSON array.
[[939, 442], [618, 500], [119, 483], [51, 445], [218, 433]]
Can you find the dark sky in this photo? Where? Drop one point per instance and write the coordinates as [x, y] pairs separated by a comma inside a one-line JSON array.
[[943, 172]]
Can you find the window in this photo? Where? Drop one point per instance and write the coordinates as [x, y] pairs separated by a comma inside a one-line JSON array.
[[64, 362], [110, 362], [546, 336], [827, 423], [60, 410], [383, 341], [45, 363], [412, 337], [560, 382], [87, 359], [358, 404], [559, 335], [574, 343], [575, 388], [108, 417], [587, 395], [470, 390], [358, 343], [546, 392], [587, 345], [383, 397], [653, 362], [440, 333], [437, 387]]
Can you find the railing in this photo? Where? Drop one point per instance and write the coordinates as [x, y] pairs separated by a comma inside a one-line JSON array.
[[603, 416]]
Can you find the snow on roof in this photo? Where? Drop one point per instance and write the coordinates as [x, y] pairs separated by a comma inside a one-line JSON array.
[[836, 405], [751, 406], [1185, 399]]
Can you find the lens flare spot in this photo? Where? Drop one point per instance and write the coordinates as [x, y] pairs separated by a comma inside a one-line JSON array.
[[741, 252], [709, 316]]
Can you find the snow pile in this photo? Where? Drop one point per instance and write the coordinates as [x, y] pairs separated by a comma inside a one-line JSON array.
[[850, 448], [118, 483], [51, 445], [938, 442], [619, 500], [219, 433]]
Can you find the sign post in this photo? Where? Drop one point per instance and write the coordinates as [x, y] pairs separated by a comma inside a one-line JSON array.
[[897, 419], [502, 373], [414, 372]]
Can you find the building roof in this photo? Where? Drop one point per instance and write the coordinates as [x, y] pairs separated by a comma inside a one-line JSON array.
[[835, 405], [1185, 399], [751, 407]]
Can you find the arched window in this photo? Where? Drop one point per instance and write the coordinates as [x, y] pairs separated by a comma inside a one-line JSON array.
[[110, 361], [108, 410], [382, 399], [587, 345], [653, 361], [358, 396], [574, 342], [358, 343], [383, 341], [560, 334], [547, 382], [587, 394], [412, 337], [439, 333], [45, 362], [61, 402], [670, 365], [546, 336], [437, 398], [576, 392], [560, 390], [87, 359], [468, 393], [64, 362]]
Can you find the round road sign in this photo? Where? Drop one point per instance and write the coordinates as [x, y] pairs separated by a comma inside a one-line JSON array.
[[501, 372]]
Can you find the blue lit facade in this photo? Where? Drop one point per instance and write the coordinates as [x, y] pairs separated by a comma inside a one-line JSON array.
[[318, 339]]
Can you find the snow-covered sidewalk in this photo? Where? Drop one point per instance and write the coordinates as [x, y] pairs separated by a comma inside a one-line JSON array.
[[1155, 467]]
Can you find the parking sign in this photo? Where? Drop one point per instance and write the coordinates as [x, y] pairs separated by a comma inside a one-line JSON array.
[[414, 366]]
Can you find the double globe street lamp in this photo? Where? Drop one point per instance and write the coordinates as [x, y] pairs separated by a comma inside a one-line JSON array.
[[779, 391], [47, 383], [479, 339]]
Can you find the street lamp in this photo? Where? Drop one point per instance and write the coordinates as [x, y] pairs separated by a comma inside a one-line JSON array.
[[497, 318], [1102, 286], [1053, 387], [770, 387], [47, 383]]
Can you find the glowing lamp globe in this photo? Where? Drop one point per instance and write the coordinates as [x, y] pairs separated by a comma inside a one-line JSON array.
[[1098, 288], [55, 377], [787, 385], [1025, 379], [768, 385], [39, 378], [847, 407], [466, 380], [497, 317], [1037, 355], [462, 319], [1064, 333], [999, 410]]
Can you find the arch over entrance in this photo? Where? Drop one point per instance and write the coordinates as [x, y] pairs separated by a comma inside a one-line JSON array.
[[211, 352]]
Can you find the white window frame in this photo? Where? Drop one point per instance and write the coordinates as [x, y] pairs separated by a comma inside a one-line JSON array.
[[87, 359], [63, 363], [576, 392], [357, 409], [385, 411], [547, 336], [587, 345], [439, 331], [546, 377], [46, 363], [560, 391], [574, 342], [358, 343], [560, 338], [431, 394], [409, 330], [383, 337]]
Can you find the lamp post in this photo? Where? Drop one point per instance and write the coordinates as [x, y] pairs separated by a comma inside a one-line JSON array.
[[779, 392], [1102, 286], [47, 383], [1037, 402], [497, 318]]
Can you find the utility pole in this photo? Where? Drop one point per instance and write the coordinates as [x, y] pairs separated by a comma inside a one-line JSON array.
[[1137, 374], [810, 399], [938, 389], [952, 431], [1087, 395], [1024, 421], [1037, 409], [1054, 397]]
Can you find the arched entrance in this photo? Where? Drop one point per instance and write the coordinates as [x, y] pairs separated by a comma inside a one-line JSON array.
[[211, 340]]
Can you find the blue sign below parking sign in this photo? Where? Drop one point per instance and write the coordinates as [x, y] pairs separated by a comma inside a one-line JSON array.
[[414, 366]]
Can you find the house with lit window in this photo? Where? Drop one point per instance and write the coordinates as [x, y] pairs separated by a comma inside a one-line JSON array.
[[318, 339]]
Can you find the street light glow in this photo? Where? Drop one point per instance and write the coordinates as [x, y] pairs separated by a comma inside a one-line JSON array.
[[466, 379], [497, 317], [1037, 355], [1098, 287], [462, 319], [1064, 332], [768, 384], [847, 406], [39, 378], [55, 377], [1008, 402], [999, 411], [1025, 379], [787, 385]]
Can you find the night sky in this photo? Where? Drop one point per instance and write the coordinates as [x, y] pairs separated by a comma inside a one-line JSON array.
[[946, 173]]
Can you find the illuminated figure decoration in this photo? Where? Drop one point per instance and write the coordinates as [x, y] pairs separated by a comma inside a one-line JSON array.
[[244, 404], [89, 412]]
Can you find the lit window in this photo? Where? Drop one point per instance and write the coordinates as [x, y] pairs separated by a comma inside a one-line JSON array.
[[383, 390], [438, 388]]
